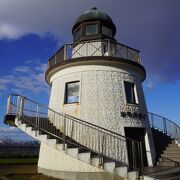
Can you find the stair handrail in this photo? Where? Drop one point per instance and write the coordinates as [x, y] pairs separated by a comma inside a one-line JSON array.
[[165, 125], [105, 137]]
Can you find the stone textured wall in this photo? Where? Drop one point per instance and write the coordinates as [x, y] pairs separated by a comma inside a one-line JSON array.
[[102, 96]]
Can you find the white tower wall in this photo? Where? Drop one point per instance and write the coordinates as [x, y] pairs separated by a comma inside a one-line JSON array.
[[102, 97]]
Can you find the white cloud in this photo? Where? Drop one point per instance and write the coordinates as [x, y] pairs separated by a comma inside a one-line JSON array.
[[9, 129], [25, 79], [22, 69]]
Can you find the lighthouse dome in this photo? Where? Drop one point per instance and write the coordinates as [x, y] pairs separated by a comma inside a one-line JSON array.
[[93, 15]]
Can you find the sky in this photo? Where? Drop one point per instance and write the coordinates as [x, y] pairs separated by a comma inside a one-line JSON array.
[[31, 31]]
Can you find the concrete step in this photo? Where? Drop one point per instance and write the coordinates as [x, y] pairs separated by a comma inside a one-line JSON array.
[[51, 142], [42, 138], [132, 175], [170, 159], [121, 171], [166, 163], [94, 161], [173, 145], [169, 153], [85, 157], [28, 130], [59, 147], [176, 157], [173, 149], [23, 127], [34, 134], [72, 152], [109, 166]]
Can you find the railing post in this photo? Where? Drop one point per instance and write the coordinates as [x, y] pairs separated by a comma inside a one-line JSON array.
[[37, 118], [55, 59], [64, 133], [152, 120], [142, 161], [9, 107], [109, 47], [21, 106], [86, 48], [164, 124], [65, 52], [126, 52], [99, 148]]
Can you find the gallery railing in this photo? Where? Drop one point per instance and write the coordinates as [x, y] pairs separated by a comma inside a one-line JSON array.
[[165, 125], [105, 143], [103, 47]]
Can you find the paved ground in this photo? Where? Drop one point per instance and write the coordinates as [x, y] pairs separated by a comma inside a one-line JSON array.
[[165, 173]]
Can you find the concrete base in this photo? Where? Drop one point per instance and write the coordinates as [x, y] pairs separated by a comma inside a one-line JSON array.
[[52, 159], [79, 175]]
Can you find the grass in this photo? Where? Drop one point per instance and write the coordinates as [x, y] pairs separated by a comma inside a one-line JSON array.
[[21, 172], [19, 161]]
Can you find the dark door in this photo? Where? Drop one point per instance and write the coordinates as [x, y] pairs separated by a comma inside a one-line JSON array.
[[138, 134]]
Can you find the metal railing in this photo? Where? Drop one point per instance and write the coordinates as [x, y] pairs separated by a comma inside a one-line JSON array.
[[103, 47], [165, 125], [103, 142]]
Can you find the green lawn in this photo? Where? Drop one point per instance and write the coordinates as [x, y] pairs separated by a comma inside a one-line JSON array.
[[19, 161]]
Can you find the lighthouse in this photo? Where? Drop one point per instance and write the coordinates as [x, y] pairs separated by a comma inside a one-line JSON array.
[[96, 125], [99, 80]]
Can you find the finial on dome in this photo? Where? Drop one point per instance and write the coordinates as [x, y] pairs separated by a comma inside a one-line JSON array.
[[93, 8]]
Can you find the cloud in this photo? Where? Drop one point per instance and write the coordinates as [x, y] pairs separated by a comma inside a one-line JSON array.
[[10, 130], [152, 27], [25, 79], [22, 69]]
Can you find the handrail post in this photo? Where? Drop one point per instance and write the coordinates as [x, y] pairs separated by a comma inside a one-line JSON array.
[[142, 161], [9, 107], [164, 124], [99, 148], [64, 134], [65, 52], [109, 47], [37, 118], [21, 106], [152, 120]]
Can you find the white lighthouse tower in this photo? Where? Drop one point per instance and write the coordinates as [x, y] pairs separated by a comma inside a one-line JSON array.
[[96, 125], [99, 80]]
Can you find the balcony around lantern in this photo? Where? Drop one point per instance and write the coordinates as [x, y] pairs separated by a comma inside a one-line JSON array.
[[105, 47]]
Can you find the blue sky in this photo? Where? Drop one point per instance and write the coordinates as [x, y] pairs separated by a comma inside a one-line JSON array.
[[31, 31]]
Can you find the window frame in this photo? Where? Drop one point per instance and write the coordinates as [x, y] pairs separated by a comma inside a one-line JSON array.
[[107, 28], [91, 24], [136, 100], [75, 31], [66, 92]]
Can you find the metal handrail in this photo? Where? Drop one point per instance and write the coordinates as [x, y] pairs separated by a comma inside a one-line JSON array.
[[113, 49], [165, 125], [97, 139]]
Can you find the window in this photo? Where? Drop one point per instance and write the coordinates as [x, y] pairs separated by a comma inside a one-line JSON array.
[[107, 31], [91, 29], [77, 34], [72, 92], [131, 93]]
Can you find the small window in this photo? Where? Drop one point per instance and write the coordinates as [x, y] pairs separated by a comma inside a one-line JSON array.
[[107, 31], [77, 34], [131, 93], [72, 92], [91, 29]]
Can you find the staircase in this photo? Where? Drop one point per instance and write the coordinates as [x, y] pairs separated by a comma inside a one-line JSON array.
[[93, 145], [171, 155], [84, 141], [166, 135]]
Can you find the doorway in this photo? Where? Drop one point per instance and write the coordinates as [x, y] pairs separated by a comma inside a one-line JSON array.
[[138, 134]]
